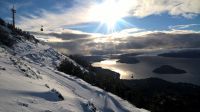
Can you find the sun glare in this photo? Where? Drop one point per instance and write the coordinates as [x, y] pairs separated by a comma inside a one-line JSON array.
[[109, 13], [108, 62]]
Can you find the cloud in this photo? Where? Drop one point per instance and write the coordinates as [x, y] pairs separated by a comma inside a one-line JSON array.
[[50, 20], [66, 35], [63, 35], [78, 46], [20, 5], [163, 40], [147, 42], [183, 26], [75, 42], [143, 8], [185, 8], [54, 20]]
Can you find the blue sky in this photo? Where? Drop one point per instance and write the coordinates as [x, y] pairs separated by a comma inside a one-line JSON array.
[[103, 21]]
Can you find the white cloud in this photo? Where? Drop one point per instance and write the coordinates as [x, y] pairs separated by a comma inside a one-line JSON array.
[[183, 26], [53, 21], [186, 8]]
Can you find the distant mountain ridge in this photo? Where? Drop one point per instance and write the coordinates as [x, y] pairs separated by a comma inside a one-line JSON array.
[[184, 53]]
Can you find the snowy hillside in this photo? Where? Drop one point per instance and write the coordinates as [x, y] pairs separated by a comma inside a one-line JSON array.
[[29, 82]]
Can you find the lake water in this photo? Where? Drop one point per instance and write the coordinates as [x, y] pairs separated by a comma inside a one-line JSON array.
[[148, 64], [113, 65]]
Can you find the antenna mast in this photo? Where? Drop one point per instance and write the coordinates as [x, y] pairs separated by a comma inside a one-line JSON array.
[[13, 10]]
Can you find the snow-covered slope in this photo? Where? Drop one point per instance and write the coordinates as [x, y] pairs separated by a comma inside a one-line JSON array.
[[29, 82]]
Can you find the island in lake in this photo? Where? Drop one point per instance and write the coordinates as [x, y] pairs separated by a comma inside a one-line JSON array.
[[167, 69]]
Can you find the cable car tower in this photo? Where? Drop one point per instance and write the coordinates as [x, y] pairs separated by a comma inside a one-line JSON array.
[[13, 10]]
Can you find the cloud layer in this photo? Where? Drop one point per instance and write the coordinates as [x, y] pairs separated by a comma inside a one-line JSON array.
[[89, 44]]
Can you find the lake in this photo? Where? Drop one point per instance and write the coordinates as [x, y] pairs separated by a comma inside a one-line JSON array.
[[149, 63]]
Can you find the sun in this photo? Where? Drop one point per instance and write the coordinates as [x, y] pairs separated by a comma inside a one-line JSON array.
[[108, 12]]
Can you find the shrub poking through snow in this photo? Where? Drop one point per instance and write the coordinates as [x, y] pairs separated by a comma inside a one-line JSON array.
[[23, 104], [59, 95], [2, 68], [46, 85], [91, 107]]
